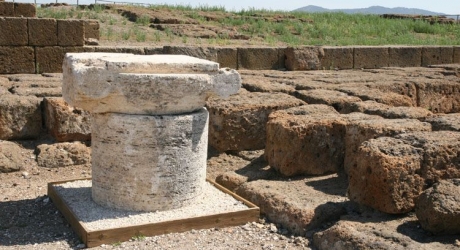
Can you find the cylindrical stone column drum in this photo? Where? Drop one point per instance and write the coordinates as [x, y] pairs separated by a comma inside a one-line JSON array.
[[148, 163]]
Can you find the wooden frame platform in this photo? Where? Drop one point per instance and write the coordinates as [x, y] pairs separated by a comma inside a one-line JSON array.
[[113, 235]]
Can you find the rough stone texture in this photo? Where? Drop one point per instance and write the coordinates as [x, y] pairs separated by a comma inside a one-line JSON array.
[[260, 84], [390, 173], [384, 175], [305, 140], [151, 51], [16, 60], [207, 53], [92, 29], [24, 10], [20, 117], [50, 58], [437, 55], [445, 122], [238, 123], [386, 111], [366, 93], [260, 58], [298, 205], [66, 123], [439, 96], [10, 157], [164, 163], [379, 231], [437, 208], [456, 54], [359, 131], [227, 57], [336, 99], [405, 56], [371, 57], [337, 58], [137, 84], [128, 49], [304, 58], [14, 32], [64, 154], [70, 32], [35, 85], [42, 32], [6, 9]]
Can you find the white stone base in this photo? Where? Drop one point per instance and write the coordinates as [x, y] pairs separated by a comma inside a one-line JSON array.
[[148, 163]]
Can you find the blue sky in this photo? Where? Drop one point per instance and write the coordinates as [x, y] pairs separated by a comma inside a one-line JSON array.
[[444, 6]]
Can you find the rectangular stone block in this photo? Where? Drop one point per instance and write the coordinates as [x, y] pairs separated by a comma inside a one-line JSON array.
[[24, 10], [127, 49], [92, 29], [337, 58], [371, 57], [6, 9], [303, 58], [259, 58], [227, 57], [405, 56], [49, 59], [71, 32], [207, 53], [20, 117], [13, 31], [456, 54], [66, 123], [16, 60], [42, 31], [438, 96], [437, 55], [153, 50]]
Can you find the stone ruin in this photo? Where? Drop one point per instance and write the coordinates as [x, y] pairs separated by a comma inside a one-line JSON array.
[[149, 125]]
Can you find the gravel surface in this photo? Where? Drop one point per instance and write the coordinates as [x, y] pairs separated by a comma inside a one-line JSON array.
[[77, 194]]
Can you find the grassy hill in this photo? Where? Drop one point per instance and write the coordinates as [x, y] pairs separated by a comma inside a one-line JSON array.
[[205, 25]]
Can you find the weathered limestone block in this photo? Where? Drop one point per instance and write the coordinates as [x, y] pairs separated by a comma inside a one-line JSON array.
[[238, 123], [337, 58], [373, 94], [163, 164], [260, 58], [136, 50], [371, 57], [298, 205], [359, 131], [92, 29], [456, 54], [20, 117], [64, 154], [439, 96], [385, 175], [6, 9], [437, 55], [11, 159], [304, 58], [24, 10], [207, 53], [50, 58], [227, 57], [66, 123], [35, 85], [305, 140], [42, 32], [445, 122], [14, 31], [438, 208], [390, 173], [336, 99], [70, 32], [386, 111], [136, 84], [405, 56], [16, 60]]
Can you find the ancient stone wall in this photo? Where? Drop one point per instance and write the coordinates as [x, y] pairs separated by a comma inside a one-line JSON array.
[[35, 45]]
